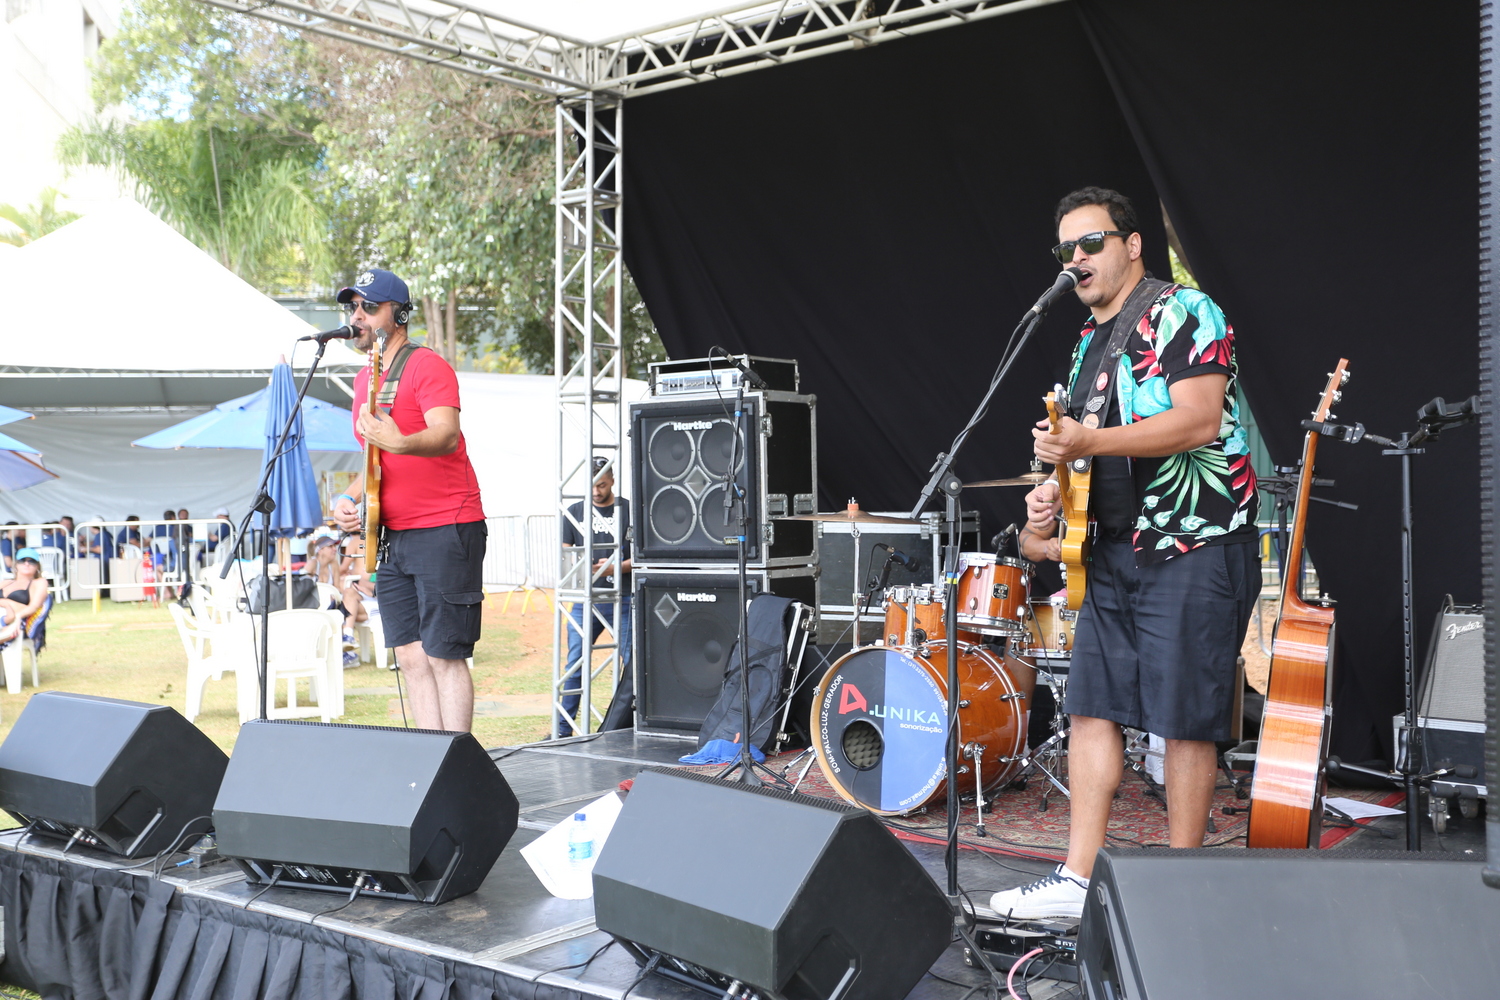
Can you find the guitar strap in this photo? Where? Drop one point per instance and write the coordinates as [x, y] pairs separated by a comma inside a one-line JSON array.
[[391, 381], [1099, 386]]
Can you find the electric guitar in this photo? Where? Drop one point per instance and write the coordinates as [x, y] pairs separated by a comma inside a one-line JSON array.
[[1075, 526], [369, 514], [1286, 794]]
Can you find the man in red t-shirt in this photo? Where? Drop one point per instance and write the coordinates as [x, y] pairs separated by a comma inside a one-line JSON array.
[[432, 526]]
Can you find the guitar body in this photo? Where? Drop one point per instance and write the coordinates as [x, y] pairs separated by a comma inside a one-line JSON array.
[[370, 514], [1286, 794], [1075, 525]]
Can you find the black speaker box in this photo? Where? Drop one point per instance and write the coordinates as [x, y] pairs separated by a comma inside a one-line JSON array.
[[686, 623], [680, 453], [405, 813], [1450, 703], [1160, 924], [123, 776], [795, 897]]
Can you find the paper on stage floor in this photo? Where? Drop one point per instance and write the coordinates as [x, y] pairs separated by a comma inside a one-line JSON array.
[[1355, 809], [548, 854]]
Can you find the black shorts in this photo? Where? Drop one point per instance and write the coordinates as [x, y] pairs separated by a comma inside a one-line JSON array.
[[431, 584], [1155, 648]]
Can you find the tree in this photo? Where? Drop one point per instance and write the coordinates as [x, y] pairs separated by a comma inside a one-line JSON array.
[[35, 222]]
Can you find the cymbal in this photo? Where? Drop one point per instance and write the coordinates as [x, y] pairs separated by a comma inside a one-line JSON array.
[[1025, 479], [850, 513]]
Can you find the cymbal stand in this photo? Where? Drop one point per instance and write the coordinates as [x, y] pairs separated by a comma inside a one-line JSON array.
[[1433, 418]]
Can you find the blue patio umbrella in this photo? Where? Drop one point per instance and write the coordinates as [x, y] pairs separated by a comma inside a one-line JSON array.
[[292, 484], [241, 423], [9, 414], [17, 469]]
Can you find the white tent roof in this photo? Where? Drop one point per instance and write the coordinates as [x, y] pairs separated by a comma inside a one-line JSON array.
[[119, 309]]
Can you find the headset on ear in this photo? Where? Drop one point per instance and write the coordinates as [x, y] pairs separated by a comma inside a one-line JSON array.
[[401, 312]]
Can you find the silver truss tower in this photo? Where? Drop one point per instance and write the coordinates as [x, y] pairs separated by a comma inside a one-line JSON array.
[[590, 367]]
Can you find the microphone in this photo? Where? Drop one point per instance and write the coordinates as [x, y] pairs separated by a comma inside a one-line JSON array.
[[342, 333], [1002, 538], [1067, 280], [744, 369], [911, 563]]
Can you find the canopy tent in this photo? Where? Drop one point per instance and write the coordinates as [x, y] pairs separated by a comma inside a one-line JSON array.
[[119, 309], [11, 415], [240, 423]]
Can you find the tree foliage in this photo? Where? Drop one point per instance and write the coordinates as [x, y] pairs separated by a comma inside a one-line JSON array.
[[34, 222]]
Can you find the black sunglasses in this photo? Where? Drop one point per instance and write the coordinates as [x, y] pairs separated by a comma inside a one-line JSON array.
[[370, 308], [1091, 243]]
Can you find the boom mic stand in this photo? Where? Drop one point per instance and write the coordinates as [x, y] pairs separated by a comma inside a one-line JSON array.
[[1433, 418], [264, 505]]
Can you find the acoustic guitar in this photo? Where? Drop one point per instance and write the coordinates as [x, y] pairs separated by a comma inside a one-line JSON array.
[[1286, 794], [370, 506], [1075, 525]]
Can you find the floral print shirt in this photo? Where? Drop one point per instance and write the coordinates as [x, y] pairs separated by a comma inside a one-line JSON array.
[[1194, 497]]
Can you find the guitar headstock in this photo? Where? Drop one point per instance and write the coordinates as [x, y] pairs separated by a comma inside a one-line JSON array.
[[1333, 393], [1057, 406]]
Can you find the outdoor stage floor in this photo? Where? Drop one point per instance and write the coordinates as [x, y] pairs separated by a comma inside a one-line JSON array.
[[513, 927]]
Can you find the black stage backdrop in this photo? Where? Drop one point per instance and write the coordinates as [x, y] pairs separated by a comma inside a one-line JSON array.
[[884, 217]]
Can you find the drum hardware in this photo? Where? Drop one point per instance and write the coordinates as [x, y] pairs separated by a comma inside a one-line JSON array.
[[975, 752], [1033, 478], [854, 517]]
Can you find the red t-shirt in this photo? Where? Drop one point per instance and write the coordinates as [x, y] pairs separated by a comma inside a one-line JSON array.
[[418, 491]]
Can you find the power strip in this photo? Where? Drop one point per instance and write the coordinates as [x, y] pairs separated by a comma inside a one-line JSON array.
[[1004, 944]]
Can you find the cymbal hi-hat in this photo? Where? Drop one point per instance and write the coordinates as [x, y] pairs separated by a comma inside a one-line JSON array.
[[1025, 479], [850, 513]]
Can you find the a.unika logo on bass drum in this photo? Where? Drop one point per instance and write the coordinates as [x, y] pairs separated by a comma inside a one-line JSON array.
[[699, 598], [691, 425], [1454, 631], [851, 699]]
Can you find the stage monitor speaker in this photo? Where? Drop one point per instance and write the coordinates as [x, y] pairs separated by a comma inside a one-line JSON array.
[[794, 897], [411, 814], [122, 776], [1160, 924], [680, 453], [1450, 706], [685, 625]]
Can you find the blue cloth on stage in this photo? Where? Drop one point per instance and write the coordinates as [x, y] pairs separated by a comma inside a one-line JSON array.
[[720, 752]]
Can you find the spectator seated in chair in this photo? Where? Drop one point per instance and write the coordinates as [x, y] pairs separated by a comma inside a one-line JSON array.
[[23, 599]]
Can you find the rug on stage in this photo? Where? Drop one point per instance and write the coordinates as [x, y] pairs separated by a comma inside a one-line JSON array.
[[1016, 823]]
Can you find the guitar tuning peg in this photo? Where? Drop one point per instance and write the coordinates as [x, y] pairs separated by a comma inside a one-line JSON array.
[[1337, 396], [1345, 377]]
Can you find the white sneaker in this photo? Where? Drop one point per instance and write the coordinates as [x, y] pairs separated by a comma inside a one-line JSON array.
[[1060, 894]]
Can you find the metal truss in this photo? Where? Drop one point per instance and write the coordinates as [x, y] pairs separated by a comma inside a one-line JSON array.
[[589, 362], [477, 38]]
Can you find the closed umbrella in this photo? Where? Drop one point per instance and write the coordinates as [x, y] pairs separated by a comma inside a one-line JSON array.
[[18, 469], [292, 485], [241, 423]]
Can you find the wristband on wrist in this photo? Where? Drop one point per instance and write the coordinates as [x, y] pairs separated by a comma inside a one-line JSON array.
[[345, 496]]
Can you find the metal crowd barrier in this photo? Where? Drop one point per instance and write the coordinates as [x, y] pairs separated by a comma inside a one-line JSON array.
[[521, 556], [125, 575]]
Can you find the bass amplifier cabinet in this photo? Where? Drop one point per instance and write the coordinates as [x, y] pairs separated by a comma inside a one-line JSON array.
[[1450, 702], [1157, 923], [410, 814], [792, 897], [122, 776], [686, 623], [697, 376], [680, 454]]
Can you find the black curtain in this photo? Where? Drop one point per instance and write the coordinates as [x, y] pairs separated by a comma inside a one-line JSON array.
[[1318, 164], [884, 217]]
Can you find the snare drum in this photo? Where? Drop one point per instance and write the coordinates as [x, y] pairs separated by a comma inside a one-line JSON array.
[[992, 593], [880, 723], [922, 605], [1050, 628]]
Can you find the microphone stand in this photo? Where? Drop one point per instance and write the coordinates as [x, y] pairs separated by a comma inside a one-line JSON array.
[[264, 505], [943, 480]]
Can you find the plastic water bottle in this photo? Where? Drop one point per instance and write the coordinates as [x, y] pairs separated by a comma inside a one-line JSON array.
[[580, 842]]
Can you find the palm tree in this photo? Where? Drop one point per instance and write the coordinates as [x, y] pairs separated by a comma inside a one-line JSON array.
[[34, 222]]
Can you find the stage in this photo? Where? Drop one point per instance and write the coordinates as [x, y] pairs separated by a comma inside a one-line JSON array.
[[87, 925]]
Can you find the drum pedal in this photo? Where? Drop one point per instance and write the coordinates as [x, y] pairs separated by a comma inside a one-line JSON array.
[[1003, 944]]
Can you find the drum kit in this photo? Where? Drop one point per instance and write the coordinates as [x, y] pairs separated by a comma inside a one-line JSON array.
[[879, 718]]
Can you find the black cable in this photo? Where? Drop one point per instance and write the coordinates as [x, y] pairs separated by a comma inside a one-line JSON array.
[[945, 979], [176, 844], [353, 894], [400, 696], [1018, 871], [276, 874], [549, 743], [581, 966], [650, 968]]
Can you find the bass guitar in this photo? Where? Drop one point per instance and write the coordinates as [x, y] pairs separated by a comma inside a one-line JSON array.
[[369, 514], [1286, 794], [1075, 525]]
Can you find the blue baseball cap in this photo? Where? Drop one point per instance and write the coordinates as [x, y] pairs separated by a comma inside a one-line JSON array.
[[376, 285], [29, 553]]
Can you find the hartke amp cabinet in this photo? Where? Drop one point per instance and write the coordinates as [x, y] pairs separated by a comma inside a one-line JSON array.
[[122, 776], [410, 814], [680, 454], [686, 622]]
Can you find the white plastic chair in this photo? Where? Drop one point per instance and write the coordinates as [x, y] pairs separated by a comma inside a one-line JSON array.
[[55, 569], [12, 657], [211, 651], [304, 643], [162, 558]]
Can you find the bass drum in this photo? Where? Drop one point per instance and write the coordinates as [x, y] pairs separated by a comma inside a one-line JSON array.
[[879, 723]]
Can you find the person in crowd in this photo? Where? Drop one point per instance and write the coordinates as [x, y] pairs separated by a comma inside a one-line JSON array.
[[23, 597], [62, 537], [10, 541], [130, 534], [608, 520], [98, 544], [325, 563], [432, 525], [220, 531]]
